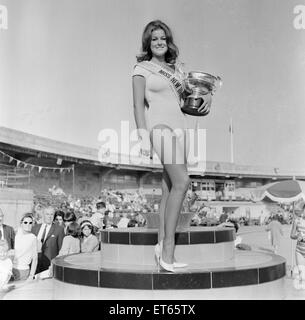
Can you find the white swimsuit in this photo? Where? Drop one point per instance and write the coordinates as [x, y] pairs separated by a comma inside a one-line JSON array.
[[163, 107]]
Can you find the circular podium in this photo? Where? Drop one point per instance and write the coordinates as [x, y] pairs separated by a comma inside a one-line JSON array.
[[126, 261]]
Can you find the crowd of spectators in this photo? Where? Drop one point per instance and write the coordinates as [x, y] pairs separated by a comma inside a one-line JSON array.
[[108, 210], [73, 225], [115, 208], [27, 251]]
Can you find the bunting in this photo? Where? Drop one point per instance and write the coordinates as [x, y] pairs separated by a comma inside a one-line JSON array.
[[23, 164]]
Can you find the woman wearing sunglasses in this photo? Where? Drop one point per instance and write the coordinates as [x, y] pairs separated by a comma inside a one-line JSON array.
[[26, 252]]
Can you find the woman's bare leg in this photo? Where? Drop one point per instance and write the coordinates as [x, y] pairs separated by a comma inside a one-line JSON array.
[[180, 182], [165, 144], [165, 186]]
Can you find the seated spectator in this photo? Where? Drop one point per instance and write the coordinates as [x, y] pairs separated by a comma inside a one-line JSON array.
[[59, 218], [98, 216], [89, 242], [71, 242], [55, 191], [110, 224], [111, 208], [230, 223], [235, 224], [5, 265], [132, 223], [226, 223], [106, 219], [26, 250], [196, 220], [123, 223], [116, 218], [223, 217], [85, 215], [68, 219], [140, 220]]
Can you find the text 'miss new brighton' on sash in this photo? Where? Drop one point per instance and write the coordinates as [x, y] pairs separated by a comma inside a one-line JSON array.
[[174, 82]]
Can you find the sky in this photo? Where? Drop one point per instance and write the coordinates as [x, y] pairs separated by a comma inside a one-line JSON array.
[[66, 65]]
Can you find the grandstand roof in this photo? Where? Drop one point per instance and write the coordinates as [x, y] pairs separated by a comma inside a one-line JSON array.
[[19, 141]]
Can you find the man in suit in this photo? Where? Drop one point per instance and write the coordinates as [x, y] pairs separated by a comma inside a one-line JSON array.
[[50, 237], [6, 232]]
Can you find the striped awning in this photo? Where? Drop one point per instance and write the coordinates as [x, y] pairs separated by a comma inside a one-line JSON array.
[[286, 191]]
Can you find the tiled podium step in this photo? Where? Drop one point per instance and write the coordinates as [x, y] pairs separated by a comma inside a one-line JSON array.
[[148, 237], [126, 262], [246, 268], [122, 247]]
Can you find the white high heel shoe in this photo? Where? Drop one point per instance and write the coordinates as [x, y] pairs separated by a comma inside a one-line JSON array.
[[160, 262], [167, 266], [180, 265], [175, 263]]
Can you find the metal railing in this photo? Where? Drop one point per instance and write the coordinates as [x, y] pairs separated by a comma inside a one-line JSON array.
[[11, 176]]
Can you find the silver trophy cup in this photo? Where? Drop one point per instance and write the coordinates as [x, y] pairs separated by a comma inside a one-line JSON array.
[[198, 85]]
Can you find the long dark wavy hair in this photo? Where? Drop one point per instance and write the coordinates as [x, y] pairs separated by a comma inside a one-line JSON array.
[[146, 54]]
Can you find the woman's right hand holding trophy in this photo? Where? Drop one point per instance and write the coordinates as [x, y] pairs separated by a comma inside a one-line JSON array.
[[206, 104], [198, 90]]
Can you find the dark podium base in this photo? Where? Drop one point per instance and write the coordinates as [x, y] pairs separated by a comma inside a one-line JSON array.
[[126, 261]]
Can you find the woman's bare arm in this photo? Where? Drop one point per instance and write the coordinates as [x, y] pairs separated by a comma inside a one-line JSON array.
[[138, 86]]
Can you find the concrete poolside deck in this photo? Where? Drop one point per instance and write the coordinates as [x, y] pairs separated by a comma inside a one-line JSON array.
[[43, 290]]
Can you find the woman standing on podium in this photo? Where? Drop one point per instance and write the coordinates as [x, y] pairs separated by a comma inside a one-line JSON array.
[[157, 95]]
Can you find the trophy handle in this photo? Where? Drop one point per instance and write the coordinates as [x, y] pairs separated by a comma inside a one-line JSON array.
[[219, 82]]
